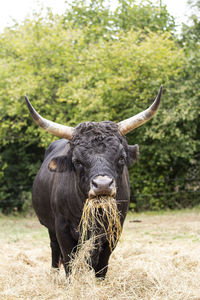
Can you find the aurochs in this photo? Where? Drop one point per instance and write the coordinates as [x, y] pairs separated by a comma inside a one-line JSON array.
[[90, 160]]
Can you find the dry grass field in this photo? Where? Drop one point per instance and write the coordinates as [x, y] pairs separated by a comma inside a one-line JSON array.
[[157, 258]]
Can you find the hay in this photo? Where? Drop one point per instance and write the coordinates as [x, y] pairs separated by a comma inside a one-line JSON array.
[[100, 218], [156, 259], [81, 273]]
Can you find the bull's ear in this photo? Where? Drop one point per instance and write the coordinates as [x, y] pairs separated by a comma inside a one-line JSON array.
[[58, 164], [133, 154]]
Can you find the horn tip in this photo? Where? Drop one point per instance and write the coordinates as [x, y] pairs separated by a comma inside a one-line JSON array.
[[26, 98], [32, 111], [157, 101]]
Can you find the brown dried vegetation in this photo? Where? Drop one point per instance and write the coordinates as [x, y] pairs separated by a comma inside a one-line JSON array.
[[101, 217], [157, 258]]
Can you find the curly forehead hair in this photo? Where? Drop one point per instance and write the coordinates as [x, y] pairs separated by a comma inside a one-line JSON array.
[[88, 132]]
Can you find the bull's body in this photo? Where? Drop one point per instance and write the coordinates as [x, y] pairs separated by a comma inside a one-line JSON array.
[[92, 160], [58, 197]]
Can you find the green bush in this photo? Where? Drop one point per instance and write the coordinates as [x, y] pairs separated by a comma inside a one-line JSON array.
[[75, 71]]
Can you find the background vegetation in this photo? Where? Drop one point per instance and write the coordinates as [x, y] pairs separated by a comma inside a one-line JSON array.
[[97, 63]]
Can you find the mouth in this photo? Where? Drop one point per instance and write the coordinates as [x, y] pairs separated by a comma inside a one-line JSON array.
[[93, 194]]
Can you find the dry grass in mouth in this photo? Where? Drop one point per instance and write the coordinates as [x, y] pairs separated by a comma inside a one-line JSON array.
[[100, 218]]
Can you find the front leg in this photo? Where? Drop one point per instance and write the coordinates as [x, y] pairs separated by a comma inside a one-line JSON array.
[[55, 250], [102, 266], [66, 242]]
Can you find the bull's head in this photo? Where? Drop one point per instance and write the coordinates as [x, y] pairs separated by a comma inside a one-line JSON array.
[[98, 151]]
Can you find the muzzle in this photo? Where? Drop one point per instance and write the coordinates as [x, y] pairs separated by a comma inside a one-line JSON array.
[[102, 186]]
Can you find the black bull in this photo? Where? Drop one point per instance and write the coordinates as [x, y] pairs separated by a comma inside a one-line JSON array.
[[92, 160]]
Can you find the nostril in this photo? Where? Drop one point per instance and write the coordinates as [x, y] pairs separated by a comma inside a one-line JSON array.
[[111, 182], [95, 184]]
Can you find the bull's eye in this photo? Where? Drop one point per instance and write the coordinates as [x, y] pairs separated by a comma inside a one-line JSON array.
[[121, 160], [77, 163]]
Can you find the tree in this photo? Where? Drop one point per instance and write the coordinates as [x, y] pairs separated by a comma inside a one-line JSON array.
[[69, 81], [89, 65], [143, 15], [100, 20]]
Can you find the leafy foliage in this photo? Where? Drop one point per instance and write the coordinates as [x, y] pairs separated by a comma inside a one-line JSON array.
[[94, 64], [145, 15], [99, 19]]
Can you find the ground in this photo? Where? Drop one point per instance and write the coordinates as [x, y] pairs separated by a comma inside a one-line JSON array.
[[157, 257]]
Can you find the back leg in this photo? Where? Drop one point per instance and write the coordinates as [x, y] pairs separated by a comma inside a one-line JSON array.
[[55, 250]]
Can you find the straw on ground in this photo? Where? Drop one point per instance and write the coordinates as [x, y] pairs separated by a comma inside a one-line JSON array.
[[158, 258]]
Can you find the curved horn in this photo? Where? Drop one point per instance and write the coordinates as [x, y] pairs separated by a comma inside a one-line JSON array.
[[54, 128], [141, 118]]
